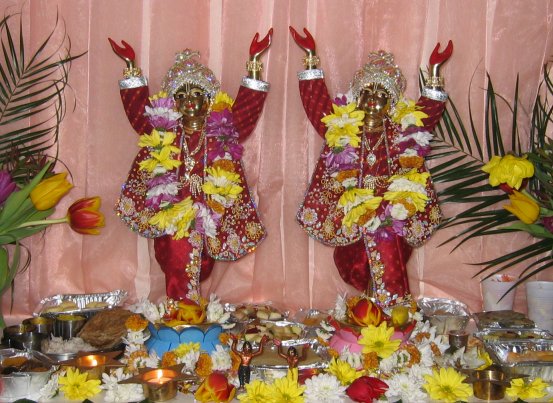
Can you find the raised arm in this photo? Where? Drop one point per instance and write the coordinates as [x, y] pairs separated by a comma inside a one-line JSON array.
[[252, 93], [133, 88], [433, 96], [313, 91]]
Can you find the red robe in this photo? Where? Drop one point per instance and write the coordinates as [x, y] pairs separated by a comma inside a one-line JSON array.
[[240, 229], [375, 262]]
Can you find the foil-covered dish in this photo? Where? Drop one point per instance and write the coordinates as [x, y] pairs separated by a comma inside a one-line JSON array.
[[310, 317], [502, 320], [23, 373], [249, 312], [311, 355], [524, 357], [508, 334], [445, 314], [79, 303]]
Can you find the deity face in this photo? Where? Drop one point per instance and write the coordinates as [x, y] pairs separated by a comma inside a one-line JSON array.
[[191, 101], [374, 100], [247, 347]]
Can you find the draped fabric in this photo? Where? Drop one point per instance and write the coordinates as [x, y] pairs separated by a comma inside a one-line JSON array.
[[502, 38]]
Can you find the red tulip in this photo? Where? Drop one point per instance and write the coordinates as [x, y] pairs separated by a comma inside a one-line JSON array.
[[84, 216], [366, 389], [215, 388], [364, 312]]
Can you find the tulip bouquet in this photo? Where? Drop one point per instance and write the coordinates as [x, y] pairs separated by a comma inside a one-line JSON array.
[[27, 211], [511, 191]]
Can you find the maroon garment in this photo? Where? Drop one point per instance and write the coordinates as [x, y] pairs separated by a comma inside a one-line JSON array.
[[370, 261]]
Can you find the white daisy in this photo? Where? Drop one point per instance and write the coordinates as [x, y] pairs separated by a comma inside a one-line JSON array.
[[405, 388], [116, 392], [324, 388], [221, 359], [216, 311]]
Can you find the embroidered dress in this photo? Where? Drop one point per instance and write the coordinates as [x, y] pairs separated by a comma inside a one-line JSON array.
[[371, 247], [212, 215]]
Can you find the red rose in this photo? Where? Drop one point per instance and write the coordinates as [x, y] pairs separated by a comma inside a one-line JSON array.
[[366, 389]]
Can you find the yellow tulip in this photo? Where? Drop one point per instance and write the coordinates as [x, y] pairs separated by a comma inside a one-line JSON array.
[[50, 191], [522, 206]]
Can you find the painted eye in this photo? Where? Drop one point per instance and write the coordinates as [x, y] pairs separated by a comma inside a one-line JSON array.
[[196, 92]]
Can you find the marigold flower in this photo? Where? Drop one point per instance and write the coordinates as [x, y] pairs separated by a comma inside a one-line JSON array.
[[370, 361], [226, 165], [204, 365], [136, 323], [49, 191], [523, 207], [168, 359], [216, 206], [411, 161]]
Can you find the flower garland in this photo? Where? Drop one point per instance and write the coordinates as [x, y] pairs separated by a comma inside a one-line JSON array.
[[221, 184], [406, 191]]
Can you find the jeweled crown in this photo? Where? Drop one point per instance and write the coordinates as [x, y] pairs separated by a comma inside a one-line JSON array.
[[188, 70]]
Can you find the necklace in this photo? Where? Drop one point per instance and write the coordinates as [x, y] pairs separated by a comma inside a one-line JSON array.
[[194, 180], [371, 156]]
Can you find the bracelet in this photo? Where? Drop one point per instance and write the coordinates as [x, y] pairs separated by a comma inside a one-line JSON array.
[[310, 61], [435, 81], [132, 72], [254, 66]]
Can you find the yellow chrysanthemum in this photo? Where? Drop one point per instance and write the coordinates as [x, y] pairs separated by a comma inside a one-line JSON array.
[[161, 158], [222, 183], [356, 203], [413, 176], [343, 125], [407, 113], [256, 392], [378, 340], [483, 355], [527, 390], [75, 385], [185, 348], [222, 101], [508, 169], [286, 389], [341, 137], [157, 138], [447, 385], [343, 371], [417, 199], [159, 95], [178, 217]]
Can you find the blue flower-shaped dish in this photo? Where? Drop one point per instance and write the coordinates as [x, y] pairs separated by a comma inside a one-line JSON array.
[[165, 338]]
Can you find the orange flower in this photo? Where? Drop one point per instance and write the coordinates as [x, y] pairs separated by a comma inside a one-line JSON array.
[[169, 359], [190, 313], [49, 191], [84, 216], [204, 365], [370, 361], [215, 388], [136, 323], [362, 312], [411, 161], [226, 165], [216, 206]]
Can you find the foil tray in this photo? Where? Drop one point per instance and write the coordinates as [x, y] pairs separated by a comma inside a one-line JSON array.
[[502, 352], [501, 320], [111, 299], [445, 314], [317, 358], [511, 334]]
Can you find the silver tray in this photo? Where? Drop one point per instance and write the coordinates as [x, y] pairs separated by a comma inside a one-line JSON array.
[[112, 299], [445, 314], [500, 353], [502, 320], [59, 357], [512, 334]]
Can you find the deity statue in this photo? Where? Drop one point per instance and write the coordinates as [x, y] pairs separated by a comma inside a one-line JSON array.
[[371, 196], [246, 354], [186, 187], [291, 356]]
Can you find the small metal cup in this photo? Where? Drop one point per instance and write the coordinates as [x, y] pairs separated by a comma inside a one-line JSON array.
[[458, 339], [68, 326], [11, 332], [28, 341], [489, 384], [43, 324]]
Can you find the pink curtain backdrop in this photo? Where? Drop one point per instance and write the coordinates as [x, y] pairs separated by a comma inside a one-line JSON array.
[[504, 38]]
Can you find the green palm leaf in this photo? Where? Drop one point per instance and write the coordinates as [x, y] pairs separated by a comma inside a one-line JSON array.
[[457, 151], [32, 99]]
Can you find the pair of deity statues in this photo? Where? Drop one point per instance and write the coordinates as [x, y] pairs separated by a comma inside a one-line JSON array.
[[370, 196]]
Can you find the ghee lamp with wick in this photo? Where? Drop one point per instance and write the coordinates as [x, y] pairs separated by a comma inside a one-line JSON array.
[[94, 364]]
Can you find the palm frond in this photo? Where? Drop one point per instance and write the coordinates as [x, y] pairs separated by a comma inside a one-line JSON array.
[[32, 95], [457, 151]]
